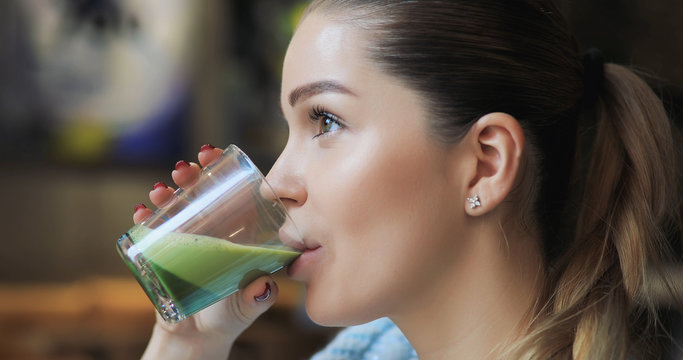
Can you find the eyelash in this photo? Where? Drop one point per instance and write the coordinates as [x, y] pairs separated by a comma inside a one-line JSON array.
[[318, 115]]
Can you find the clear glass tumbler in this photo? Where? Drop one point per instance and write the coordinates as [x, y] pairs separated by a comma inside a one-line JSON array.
[[211, 239]]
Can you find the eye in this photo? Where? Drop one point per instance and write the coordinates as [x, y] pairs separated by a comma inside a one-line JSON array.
[[326, 121]]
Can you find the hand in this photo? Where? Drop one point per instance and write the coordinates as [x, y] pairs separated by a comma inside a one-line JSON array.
[[210, 333]]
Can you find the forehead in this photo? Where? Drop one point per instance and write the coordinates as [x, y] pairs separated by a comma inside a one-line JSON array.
[[334, 52], [324, 49]]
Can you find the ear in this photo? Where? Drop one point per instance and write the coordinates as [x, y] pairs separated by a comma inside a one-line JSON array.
[[496, 142]]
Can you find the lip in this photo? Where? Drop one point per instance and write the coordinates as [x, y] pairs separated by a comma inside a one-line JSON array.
[[301, 268]]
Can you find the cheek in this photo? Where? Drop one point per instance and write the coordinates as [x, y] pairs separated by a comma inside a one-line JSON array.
[[388, 190], [385, 215]]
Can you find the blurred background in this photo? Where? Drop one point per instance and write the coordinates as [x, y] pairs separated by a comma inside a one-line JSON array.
[[100, 98]]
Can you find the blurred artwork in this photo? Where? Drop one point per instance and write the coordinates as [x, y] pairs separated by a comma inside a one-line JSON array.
[[100, 78]]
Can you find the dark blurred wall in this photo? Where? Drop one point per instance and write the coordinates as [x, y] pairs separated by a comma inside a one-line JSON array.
[[647, 35]]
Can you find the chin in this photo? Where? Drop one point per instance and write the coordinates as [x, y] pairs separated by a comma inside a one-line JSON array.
[[337, 313], [324, 315]]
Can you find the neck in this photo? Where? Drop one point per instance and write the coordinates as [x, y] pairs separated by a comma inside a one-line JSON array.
[[475, 306]]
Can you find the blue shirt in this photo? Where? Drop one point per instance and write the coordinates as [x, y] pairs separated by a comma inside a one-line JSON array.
[[377, 340]]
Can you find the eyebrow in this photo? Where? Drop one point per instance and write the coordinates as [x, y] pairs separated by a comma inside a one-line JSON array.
[[306, 91]]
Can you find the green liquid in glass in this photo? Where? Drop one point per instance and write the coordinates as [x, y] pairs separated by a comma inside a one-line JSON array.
[[197, 271]]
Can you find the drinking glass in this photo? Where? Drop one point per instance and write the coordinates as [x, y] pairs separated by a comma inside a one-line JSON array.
[[211, 239]]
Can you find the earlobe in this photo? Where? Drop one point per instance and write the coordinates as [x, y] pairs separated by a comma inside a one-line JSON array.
[[497, 143]]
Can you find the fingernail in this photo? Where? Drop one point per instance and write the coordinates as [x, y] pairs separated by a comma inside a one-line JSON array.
[[138, 207], [181, 164], [206, 147], [265, 296], [159, 185]]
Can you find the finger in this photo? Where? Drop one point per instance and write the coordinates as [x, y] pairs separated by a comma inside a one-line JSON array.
[[160, 194], [208, 154], [236, 313], [141, 212], [255, 299], [185, 173]]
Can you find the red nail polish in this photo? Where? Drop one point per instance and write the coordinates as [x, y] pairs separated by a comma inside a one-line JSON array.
[[265, 296], [159, 185], [206, 147], [181, 164], [138, 207]]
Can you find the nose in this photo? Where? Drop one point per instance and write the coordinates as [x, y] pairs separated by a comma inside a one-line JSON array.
[[286, 180]]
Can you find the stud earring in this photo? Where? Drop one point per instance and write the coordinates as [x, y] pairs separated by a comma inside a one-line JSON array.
[[474, 201]]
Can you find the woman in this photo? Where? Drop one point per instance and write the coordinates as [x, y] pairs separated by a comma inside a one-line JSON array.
[[433, 168]]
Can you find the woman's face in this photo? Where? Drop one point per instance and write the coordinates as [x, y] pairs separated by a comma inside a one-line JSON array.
[[375, 197]]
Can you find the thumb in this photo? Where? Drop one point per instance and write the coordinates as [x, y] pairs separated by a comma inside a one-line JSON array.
[[255, 299]]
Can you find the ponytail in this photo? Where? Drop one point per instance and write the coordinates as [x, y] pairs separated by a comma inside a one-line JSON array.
[[630, 190], [600, 306]]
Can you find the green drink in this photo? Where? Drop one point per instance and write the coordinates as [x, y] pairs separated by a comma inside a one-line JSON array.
[[245, 233], [189, 272]]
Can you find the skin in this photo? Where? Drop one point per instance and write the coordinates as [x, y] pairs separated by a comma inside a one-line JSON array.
[[382, 205]]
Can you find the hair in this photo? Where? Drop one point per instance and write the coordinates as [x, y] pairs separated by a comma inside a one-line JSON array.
[[604, 244]]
